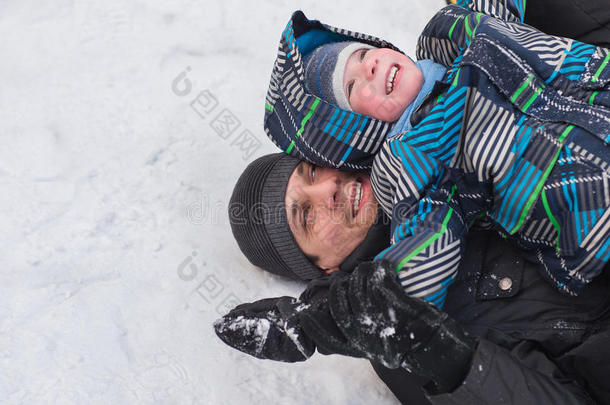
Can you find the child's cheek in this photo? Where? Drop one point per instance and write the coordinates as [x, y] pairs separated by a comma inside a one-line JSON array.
[[389, 110], [365, 94]]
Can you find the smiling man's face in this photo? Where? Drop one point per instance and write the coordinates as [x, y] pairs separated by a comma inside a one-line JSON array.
[[381, 83], [329, 212]]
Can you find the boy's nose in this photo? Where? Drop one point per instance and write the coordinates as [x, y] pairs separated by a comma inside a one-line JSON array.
[[370, 67]]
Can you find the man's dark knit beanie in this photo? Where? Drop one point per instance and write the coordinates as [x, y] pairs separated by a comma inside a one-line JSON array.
[[258, 219]]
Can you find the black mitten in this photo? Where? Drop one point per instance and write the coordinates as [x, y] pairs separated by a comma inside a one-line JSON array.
[[271, 328], [381, 321], [267, 329], [317, 322]]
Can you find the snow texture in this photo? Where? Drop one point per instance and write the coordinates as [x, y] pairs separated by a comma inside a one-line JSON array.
[[386, 332], [124, 125]]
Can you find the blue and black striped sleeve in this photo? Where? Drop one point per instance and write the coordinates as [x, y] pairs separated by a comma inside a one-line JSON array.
[[428, 227], [508, 10]]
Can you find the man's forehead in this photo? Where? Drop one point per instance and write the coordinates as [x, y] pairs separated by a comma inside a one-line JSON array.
[[294, 182], [300, 168], [293, 219], [293, 195]]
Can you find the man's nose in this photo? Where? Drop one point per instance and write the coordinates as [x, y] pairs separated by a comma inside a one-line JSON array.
[[324, 193]]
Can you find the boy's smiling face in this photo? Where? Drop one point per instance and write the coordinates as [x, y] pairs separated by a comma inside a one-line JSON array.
[[381, 83]]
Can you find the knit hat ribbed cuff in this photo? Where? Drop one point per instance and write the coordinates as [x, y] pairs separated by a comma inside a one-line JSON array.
[[325, 69], [339, 73], [257, 214], [274, 194]]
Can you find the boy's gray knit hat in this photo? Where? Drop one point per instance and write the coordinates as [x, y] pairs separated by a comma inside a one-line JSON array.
[[325, 68], [257, 213]]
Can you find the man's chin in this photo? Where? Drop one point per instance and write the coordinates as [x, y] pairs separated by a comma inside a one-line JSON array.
[[375, 238]]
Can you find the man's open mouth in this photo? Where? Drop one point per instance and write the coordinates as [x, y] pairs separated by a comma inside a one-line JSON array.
[[389, 84], [357, 197]]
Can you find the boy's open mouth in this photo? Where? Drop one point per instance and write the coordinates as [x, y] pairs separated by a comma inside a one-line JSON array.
[[389, 84]]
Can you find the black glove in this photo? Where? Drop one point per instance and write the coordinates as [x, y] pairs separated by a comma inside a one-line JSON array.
[[266, 329], [271, 328], [318, 324], [365, 314], [383, 324]]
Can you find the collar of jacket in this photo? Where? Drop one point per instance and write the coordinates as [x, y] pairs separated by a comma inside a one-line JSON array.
[[432, 99], [304, 125]]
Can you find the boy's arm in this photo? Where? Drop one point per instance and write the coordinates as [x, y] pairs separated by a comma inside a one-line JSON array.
[[428, 236], [450, 31], [508, 10]]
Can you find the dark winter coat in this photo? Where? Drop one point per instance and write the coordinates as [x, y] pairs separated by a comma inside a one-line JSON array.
[[584, 20], [537, 346], [515, 133]]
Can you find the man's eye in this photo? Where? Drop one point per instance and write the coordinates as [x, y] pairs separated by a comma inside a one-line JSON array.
[[362, 53], [305, 218], [313, 173]]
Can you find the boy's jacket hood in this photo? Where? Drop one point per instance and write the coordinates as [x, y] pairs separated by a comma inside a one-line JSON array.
[[300, 123]]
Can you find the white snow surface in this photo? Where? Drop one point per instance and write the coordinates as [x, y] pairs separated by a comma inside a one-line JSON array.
[[116, 250]]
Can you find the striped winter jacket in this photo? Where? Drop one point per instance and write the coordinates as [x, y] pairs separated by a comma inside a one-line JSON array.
[[515, 134]]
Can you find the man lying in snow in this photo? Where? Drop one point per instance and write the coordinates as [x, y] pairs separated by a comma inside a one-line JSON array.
[[559, 344], [527, 344], [496, 120]]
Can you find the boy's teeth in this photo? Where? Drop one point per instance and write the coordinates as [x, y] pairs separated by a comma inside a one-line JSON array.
[[389, 86], [357, 197]]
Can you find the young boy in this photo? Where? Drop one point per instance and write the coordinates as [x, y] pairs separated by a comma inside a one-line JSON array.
[[496, 120], [377, 82]]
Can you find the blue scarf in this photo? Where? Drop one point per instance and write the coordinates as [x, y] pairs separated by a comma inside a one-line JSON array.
[[432, 72]]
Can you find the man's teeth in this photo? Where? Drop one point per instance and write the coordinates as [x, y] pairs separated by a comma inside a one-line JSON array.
[[389, 86], [357, 197]]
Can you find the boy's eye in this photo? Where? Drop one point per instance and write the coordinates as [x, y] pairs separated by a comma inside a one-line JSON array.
[[362, 53], [349, 89]]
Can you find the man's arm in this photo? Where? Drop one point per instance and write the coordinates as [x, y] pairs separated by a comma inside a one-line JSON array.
[[496, 376], [521, 377], [366, 314], [374, 315]]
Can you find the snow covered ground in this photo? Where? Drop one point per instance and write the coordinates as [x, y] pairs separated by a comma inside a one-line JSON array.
[[123, 128]]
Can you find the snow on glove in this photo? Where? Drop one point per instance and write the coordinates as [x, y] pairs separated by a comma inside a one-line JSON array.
[[271, 328], [381, 321], [267, 329]]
